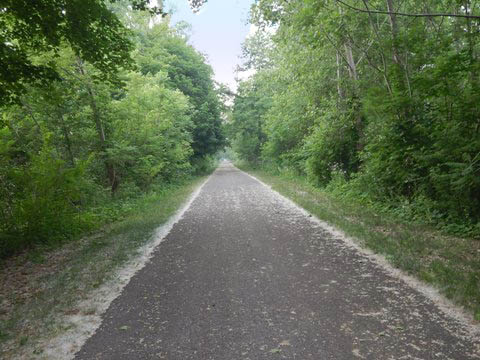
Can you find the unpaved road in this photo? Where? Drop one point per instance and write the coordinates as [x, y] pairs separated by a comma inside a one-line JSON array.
[[246, 275]]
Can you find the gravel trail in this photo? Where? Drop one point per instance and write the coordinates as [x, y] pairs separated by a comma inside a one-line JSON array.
[[246, 275]]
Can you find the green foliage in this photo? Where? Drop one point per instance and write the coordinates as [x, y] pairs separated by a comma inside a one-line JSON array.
[[331, 148], [31, 28], [151, 132], [39, 199], [76, 151], [204, 165], [88, 27], [163, 49], [385, 108], [246, 126]]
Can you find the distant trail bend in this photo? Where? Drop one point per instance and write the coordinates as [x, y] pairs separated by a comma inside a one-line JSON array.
[[246, 275]]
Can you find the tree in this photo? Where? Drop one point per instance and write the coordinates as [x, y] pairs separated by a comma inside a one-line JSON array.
[[66, 147], [383, 94], [31, 28], [247, 121], [187, 70]]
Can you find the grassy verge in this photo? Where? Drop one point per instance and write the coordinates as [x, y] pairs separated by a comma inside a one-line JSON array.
[[449, 263], [34, 289]]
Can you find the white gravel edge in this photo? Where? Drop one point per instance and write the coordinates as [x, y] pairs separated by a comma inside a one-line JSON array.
[[453, 311], [65, 345]]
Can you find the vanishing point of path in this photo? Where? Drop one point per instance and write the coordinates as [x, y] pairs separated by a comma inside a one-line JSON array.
[[246, 275]]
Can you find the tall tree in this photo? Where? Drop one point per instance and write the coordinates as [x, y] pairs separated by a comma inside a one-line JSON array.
[[29, 28], [381, 93], [187, 71]]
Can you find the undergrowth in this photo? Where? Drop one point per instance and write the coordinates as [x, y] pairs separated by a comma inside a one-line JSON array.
[[56, 279]]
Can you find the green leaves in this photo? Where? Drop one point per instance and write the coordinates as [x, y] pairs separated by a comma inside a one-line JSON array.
[[67, 146], [386, 107], [31, 29], [151, 131]]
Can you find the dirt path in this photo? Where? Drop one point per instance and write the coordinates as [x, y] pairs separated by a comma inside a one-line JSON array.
[[247, 275]]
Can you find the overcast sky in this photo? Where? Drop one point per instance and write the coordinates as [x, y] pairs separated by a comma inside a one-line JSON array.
[[218, 31]]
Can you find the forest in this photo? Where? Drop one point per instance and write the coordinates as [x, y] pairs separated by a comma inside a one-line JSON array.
[[364, 113], [374, 101], [100, 102]]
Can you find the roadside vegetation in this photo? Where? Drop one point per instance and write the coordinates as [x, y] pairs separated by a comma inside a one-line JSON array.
[[108, 121], [77, 146], [384, 106], [38, 287], [368, 116], [366, 113]]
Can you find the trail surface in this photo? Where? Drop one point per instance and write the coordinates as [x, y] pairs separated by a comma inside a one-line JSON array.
[[246, 275]]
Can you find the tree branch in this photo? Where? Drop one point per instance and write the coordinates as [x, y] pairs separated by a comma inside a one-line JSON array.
[[406, 14]]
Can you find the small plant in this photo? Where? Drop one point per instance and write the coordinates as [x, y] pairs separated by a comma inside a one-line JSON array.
[[23, 340]]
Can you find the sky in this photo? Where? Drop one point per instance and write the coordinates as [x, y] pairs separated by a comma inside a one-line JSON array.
[[218, 31]]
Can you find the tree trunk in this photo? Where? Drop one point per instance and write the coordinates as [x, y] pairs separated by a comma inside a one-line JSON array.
[[68, 143], [352, 66], [375, 28], [341, 95], [403, 77], [394, 27], [110, 168]]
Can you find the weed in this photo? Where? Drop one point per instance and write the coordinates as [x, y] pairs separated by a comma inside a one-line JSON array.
[[23, 340]]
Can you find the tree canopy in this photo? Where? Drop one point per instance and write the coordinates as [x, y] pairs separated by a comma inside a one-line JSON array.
[[371, 99], [76, 149], [30, 29]]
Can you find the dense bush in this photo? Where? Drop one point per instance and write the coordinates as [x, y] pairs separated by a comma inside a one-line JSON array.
[[41, 198], [384, 107], [75, 149]]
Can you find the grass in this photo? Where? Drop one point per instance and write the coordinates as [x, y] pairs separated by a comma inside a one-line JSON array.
[[451, 264], [39, 285]]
